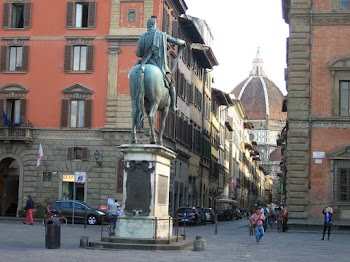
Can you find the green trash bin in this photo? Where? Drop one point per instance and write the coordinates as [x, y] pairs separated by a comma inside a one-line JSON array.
[[53, 234]]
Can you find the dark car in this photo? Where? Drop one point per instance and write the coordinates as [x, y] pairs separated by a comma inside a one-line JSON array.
[[202, 214], [188, 215], [210, 215], [82, 211]]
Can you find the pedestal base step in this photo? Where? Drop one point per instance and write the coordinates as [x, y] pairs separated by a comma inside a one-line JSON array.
[[140, 244]]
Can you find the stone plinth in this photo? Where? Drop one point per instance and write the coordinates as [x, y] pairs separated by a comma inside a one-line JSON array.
[[146, 192]]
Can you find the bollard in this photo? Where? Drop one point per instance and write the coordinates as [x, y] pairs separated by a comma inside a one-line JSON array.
[[199, 244], [53, 234], [84, 241]]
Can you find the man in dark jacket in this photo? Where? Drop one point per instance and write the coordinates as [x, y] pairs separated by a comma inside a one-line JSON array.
[[29, 208]]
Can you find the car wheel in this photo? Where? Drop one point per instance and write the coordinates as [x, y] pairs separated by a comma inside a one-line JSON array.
[[91, 220]]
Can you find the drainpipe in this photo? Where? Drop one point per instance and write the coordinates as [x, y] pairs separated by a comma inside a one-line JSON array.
[[310, 97]]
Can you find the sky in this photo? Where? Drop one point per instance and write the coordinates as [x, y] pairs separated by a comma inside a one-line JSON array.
[[239, 28]]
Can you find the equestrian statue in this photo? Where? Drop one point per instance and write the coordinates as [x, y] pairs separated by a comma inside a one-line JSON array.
[[151, 81]]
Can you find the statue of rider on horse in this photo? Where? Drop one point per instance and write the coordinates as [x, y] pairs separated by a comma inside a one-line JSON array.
[[145, 89]]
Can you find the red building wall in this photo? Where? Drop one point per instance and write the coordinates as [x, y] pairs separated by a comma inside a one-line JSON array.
[[46, 78]]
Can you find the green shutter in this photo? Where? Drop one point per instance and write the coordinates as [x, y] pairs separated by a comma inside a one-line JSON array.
[[70, 151], [92, 15], [27, 15], [88, 114], [25, 58], [70, 15], [68, 58], [64, 113], [6, 16], [90, 58], [3, 59], [23, 110]]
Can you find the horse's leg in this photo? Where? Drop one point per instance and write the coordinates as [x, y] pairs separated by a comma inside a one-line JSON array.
[[151, 114], [133, 124], [163, 116]]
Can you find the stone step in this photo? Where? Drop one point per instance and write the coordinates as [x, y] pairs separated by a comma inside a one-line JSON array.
[[139, 246]]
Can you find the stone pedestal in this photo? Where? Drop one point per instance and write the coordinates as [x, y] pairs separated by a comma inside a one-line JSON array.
[[146, 192]]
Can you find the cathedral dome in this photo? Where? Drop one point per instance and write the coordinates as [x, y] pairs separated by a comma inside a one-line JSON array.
[[260, 97]]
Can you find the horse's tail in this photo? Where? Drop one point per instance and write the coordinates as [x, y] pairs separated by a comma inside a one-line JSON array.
[[139, 100]]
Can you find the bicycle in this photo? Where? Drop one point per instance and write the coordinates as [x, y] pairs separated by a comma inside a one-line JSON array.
[[54, 214]]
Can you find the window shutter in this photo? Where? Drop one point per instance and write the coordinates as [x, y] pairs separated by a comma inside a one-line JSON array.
[[64, 113], [25, 59], [3, 58], [27, 15], [88, 114], [67, 58], [90, 58], [70, 17], [1, 109], [92, 15], [6, 16], [85, 153], [70, 151], [23, 111]]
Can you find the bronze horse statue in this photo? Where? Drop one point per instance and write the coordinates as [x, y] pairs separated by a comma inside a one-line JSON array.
[[148, 92]]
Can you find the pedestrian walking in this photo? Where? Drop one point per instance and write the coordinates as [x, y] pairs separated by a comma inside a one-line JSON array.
[[112, 210], [258, 219], [328, 213], [279, 219], [265, 211], [285, 220], [29, 208]]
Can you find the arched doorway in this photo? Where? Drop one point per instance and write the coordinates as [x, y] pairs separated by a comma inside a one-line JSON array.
[[9, 186]]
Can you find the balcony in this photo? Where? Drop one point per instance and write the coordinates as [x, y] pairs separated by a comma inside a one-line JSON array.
[[20, 133]]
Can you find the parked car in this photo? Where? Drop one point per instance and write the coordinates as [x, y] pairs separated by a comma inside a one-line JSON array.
[[188, 215], [210, 214], [202, 214], [82, 211]]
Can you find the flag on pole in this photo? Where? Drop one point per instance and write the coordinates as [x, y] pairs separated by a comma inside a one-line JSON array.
[[40, 155]]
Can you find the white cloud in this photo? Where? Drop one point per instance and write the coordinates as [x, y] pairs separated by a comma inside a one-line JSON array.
[[239, 27]]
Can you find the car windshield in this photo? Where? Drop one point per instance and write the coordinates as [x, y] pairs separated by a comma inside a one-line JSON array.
[[185, 210]]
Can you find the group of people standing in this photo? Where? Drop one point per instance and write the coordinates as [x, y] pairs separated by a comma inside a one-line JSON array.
[[264, 217]]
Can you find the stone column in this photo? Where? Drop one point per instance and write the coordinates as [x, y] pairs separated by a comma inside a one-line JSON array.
[[146, 192]]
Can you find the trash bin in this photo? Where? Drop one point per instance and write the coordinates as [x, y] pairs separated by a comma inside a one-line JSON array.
[[53, 234]]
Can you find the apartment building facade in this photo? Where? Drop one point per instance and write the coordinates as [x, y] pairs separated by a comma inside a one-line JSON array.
[[317, 132]]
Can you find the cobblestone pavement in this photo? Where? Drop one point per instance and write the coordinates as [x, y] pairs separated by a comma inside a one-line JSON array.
[[232, 242]]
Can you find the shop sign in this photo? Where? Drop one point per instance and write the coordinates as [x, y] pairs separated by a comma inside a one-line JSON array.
[[80, 177], [68, 178]]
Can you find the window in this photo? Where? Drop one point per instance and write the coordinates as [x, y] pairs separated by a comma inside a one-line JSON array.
[[76, 113], [341, 180], [17, 15], [344, 98], [344, 4], [79, 58], [340, 73], [13, 110], [81, 14], [77, 153], [14, 58], [13, 106], [47, 176]]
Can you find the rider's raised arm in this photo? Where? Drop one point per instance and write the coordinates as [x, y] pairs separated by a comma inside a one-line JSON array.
[[176, 41]]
